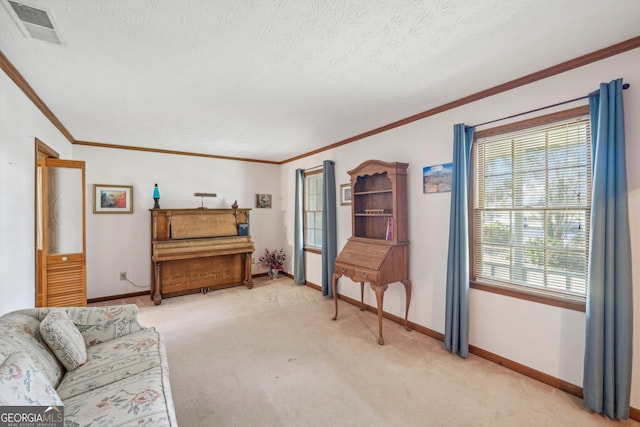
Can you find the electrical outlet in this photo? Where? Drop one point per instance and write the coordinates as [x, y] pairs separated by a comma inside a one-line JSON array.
[[123, 276]]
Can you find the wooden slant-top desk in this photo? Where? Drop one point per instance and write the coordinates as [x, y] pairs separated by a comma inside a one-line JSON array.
[[378, 250], [197, 250]]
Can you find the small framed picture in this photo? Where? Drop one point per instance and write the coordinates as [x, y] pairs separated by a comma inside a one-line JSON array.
[[437, 178], [263, 201], [345, 194], [112, 199]]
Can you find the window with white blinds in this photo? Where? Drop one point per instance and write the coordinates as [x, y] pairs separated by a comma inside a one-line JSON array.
[[313, 195], [531, 209]]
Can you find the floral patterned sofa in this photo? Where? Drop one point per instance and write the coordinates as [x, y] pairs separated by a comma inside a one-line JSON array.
[[98, 362]]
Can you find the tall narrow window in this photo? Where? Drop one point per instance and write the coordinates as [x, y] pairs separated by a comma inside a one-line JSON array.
[[531, 208], [313, 209]]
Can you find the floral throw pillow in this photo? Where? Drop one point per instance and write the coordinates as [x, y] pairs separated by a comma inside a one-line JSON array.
[[64, 339], [22, 383]]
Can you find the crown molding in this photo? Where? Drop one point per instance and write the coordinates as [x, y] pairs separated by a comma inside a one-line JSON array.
[[580, 61], [174, 152], [20, 81]]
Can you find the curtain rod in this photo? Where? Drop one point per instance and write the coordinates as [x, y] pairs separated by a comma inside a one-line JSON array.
[[624, 87], [313, 167]]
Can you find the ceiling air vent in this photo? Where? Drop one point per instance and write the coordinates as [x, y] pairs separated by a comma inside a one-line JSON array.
[[36, 23]]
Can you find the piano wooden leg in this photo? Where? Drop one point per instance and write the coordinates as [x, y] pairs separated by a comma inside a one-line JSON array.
[[248, 282], [157, 298]]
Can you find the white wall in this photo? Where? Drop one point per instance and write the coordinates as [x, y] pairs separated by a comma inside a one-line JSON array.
[[121, 242], [20, 123], [546, 338]]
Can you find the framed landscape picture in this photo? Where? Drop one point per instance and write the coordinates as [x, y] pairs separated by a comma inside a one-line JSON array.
[[437, 178], [112, 199]]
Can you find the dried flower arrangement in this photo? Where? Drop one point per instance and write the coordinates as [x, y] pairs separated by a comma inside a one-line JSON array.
[[273, 260]]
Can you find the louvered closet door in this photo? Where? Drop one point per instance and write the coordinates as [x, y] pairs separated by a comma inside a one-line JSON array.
[[63, 224]]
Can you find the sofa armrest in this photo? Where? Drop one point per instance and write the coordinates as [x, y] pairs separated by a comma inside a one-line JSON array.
[[97, 324]]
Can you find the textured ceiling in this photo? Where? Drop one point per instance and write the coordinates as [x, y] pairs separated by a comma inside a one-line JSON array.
[[274, 79]]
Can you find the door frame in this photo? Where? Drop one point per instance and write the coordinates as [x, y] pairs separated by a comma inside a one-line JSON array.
[[42, 151], [60, 277]]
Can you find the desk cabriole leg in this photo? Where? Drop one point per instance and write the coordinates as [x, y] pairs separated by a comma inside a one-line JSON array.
[[407, 289], [379, 289], [334, 288], [362, 307]]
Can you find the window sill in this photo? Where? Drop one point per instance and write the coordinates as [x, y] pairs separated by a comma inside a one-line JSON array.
[[530, 296]]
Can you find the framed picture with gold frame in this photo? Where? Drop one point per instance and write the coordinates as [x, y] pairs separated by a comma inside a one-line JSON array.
[[112, 199]]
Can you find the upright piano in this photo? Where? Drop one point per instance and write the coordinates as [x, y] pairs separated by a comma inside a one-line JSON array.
[[198, 250]]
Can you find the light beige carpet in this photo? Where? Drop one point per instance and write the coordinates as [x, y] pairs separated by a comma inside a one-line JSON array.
[[272, 356]]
